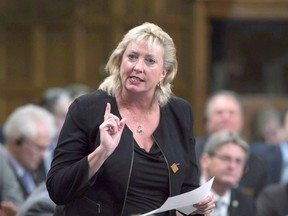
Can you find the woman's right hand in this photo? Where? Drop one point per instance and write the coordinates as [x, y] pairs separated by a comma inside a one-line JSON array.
[[110, 133], [110, 130]]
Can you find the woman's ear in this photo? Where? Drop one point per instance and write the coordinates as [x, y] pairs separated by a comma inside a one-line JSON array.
[[163, 74]]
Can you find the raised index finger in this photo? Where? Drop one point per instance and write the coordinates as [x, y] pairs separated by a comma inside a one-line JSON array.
[[107, 110]]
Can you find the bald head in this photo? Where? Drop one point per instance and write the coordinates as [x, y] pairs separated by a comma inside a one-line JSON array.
[[224, 112]]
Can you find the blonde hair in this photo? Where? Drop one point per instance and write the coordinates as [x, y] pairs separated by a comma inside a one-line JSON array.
[[151, 34]]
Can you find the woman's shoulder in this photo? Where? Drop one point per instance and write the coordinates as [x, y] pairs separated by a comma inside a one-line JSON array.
[[94, 100], [95, 95], [90, 108], [176, 99], [179, 108], [179, 103]]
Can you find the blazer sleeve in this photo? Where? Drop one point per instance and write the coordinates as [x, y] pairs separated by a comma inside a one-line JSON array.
[[186, 121], [68, 176]]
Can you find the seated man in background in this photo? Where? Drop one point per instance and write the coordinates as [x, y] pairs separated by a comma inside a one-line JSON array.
[[57, 101], [272, 201], [276, 157], [224, 111], [76, 90], [265, 129], [9, 198], [38, 203], [28, 133], [225, 154]]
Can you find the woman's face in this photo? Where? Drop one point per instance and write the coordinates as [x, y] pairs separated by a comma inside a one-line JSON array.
[[142, 67]]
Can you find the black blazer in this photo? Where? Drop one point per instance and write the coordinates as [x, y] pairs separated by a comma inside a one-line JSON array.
[[105, 193], [241, 204], [272, 201], [273, 160]]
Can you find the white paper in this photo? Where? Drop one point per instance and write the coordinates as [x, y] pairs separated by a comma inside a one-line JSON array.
[[184, 202]]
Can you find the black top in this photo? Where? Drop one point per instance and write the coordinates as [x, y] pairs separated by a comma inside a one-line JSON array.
[[106, 192], [149, 185]]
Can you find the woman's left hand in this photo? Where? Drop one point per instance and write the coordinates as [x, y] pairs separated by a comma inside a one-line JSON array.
[[205, 206]]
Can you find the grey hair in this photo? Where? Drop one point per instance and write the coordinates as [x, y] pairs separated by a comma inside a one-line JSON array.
[[77, 89], [218, 139], [52, 96], [23, 121], [151, 34], [225, 93]]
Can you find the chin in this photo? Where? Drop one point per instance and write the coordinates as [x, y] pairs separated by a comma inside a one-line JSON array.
[[230, 182]]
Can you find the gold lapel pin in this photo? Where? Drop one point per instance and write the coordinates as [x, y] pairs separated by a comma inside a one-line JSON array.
[[175, 167]]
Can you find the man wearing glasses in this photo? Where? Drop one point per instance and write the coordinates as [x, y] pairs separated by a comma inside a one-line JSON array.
[[28, 133], [224, 156]]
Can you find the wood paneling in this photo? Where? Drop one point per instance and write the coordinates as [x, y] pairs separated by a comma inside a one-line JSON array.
[[55, 43], [250, 9], [270, 10]]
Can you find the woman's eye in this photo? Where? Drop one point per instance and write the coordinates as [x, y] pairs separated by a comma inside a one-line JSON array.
[[132, 57], [150, 61]]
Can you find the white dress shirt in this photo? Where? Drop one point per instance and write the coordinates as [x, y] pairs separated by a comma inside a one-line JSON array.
[[284, 172], [222, 204]]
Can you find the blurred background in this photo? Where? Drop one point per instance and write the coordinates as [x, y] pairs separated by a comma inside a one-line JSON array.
[[240, 45]]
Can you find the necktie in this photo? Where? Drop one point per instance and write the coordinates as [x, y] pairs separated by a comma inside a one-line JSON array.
[[284, 150], [28, 182], [284, 176], [220, 209]]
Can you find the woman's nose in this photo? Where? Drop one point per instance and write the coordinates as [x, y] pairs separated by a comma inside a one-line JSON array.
[[139, 67]]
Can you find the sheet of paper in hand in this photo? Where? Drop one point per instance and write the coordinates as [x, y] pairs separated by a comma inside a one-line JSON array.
[[184, 202]]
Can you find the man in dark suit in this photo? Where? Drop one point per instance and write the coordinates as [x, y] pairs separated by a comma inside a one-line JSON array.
[[276, 157], [56, 100], [273, 200], [224, 111], [224, 156]]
